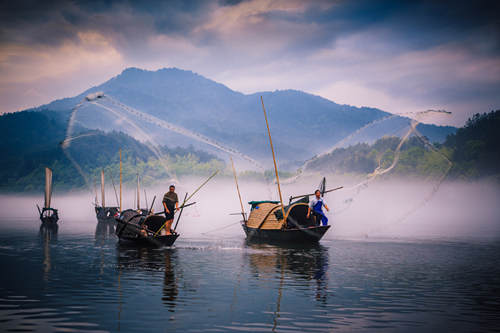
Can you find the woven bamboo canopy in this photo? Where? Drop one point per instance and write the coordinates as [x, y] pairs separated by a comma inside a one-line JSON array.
[[268, 215]]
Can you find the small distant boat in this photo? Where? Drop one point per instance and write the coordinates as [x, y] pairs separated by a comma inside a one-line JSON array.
[[104, 213], [48, 215], [273, 222]]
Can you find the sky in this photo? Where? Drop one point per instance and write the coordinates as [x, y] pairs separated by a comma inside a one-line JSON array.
[[399, 56]]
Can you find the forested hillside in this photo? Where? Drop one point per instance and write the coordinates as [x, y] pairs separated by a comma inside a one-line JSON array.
[[474, 153], [30, 141]]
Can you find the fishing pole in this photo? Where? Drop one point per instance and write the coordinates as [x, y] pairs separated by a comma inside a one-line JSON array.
[[221, 228], [308, 195], [187, 199], [206, 181]]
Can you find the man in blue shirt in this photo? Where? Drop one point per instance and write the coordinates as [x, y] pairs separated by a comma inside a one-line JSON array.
[[316, 206]]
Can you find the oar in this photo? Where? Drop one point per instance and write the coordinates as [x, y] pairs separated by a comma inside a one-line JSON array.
[[180, 213], [308, 195]]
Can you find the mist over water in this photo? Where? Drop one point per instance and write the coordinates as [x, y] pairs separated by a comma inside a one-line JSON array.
[[386, 208], [435, 270]]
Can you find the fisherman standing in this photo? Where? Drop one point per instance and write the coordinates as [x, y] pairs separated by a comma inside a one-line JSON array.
[[170, 205], [316, 206]]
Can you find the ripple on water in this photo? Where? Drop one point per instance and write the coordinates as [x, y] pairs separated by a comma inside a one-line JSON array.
[[74, 283]]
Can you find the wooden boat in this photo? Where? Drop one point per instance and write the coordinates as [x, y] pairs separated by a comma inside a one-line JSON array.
[[272, 222], [133, 228], [266, 223], [139, 227], [48, 215], [103, 212]]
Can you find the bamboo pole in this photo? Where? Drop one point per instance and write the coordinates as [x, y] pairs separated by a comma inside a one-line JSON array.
[[238, 189], [48, 187], [180, 213], [187, 199], [121, 180], [102, 189], [138, 193], [95, 191], [308, 195], [114, 188], [274, 159], [199, 187]]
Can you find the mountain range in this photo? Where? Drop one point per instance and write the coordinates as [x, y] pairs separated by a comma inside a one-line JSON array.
[[302, 124]]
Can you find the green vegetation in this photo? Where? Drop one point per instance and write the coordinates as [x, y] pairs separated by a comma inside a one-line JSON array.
[[474, 151], [475, 148], [30, 141]]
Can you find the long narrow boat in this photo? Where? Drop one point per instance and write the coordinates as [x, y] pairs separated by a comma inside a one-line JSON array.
[[139, 227], [104, 213], [133, 228], [273, 222], [48, 215]]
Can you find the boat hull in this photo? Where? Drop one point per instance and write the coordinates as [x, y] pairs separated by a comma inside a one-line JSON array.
[[158, 241], [106, 214], [49, 216], [302, 235]]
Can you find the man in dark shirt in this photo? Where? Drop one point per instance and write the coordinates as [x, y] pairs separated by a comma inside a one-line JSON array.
[[170, 205]]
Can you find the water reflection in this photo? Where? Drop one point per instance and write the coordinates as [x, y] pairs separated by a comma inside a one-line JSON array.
[[152, 259], [48, 236], [301, 263], [104, 230], [57, 281], [170, 289]]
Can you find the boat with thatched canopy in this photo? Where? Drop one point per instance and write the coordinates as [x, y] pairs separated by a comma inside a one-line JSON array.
[[267, 223], [273, 222]]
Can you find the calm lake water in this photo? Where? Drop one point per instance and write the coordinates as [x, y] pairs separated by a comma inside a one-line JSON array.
[[79, 279]]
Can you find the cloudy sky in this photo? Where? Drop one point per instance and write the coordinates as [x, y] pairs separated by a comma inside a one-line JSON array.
[[400, 56]]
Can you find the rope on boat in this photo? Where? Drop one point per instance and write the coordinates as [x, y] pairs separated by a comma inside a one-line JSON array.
[[221, 228]]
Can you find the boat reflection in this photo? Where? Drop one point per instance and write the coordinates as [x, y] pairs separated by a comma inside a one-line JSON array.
[[302, 263], [104, 230], [48, 236], [151, 259]]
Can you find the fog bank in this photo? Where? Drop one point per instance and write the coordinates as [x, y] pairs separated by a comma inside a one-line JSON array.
[[397, 208]]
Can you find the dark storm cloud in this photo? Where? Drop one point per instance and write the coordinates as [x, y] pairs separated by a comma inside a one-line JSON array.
[[412, 24], [415, 24], [53, 22], [419, 52]]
